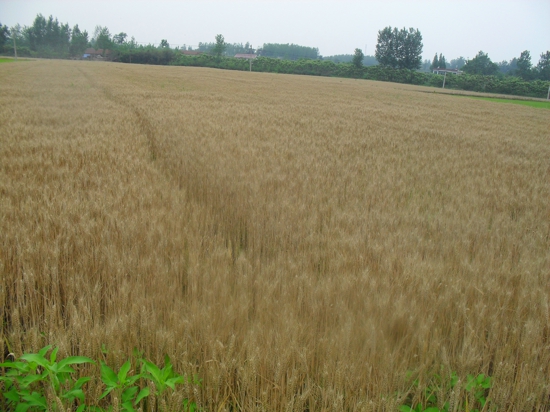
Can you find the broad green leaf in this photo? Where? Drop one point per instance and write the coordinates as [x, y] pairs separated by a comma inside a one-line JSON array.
[[123, 372], [36, 399], [36, 358], [74, 393], [78, 384], [142, 394], [431, 409], [42, 352], [108, 376], [53, 355], [20, 366], [81, 408], [107, 392], [167, 367], [73, 360], [405, 408], [129, 393], [29, 380], [12, 395], [132, 379], [167, 372], [153, 370], [22, 407], [63, 369], [127, 406]]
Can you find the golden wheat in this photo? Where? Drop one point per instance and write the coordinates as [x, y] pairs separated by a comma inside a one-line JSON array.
[[300, 243]]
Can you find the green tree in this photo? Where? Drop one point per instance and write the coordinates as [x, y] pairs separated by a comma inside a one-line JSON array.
[[481, 64], [102, 38], [358, 58], [435, 63], [442, 61], [4, 34], [164, 44], [79, 41], [399, 49], [220, 46], [457, 63], [543, 67], [524, 66], [120, 38]]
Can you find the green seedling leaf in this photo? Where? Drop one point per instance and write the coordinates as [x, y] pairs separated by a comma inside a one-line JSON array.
[[30, 379], [65, 369], [81, 408], [107, 392], [108, 376], [36, 399], [22, 407], [129, 394], [123, 372], [16, 366], [42, 352], [74, 393], [167, 371], [78, 384], [12, 395], [53, 355], [142, 394], [405, 408], [127, 406], [36, 358], [73, 360]]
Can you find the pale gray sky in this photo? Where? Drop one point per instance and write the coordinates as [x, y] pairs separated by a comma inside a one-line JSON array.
[[501, 28]]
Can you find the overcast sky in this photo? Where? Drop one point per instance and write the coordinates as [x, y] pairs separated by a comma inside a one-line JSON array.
[[501, 28]]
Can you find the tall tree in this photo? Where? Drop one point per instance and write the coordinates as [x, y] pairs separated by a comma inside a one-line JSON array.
[[220, 46], [457, 63], [525, 67], [358, 58], [102, 38], [442, 61], [164, 44], [543, 67], [79, 41], [481, 64], [400, 49], [120, 38], [4, 34], [435, 63]]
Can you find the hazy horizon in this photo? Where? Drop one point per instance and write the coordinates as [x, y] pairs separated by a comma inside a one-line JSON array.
[[503, 29]]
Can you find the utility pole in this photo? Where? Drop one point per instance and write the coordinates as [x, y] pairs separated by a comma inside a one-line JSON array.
[[14, 48]]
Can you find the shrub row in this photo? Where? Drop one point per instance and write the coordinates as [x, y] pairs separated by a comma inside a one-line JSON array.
[[488, 84]]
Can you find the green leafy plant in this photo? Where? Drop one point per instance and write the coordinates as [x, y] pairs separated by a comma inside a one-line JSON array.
[[37, 383], [478, 386], [165, 379], [123, 384]]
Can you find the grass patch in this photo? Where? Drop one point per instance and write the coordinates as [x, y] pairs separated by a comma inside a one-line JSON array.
[[531, 103], [10, 60]]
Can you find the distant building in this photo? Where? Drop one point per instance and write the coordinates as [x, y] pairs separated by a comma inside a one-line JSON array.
[[448, 71], [90, 54], [246, 56]]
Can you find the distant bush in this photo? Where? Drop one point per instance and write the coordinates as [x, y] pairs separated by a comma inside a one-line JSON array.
[[477, 83]]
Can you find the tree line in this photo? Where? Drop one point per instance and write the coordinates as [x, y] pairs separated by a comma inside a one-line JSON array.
[[398, 57]]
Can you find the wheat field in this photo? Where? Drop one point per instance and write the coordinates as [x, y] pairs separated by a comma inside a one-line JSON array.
[[299, 243]]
